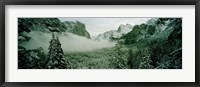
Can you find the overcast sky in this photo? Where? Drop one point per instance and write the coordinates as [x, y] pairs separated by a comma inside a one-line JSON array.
[[96, 26]]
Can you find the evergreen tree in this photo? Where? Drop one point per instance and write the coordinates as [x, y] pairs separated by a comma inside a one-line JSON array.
[[130, 60], [31, 59], [145, 60], [119, 60], [55, 55]]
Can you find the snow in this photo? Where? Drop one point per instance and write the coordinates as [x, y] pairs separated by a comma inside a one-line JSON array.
[[123, 29]]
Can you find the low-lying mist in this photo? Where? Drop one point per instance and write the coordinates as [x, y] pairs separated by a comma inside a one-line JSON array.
[[69, 42]]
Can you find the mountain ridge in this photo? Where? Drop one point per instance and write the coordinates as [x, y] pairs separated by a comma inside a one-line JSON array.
[[114, 34], [49, 25]]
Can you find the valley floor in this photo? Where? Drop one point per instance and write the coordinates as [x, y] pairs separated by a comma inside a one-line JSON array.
[[97, 59]]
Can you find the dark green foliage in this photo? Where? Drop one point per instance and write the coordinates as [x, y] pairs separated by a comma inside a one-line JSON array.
[[51, 25], [97, 59], [163, 20], [26, 25], [55, 55], [42, 24], [163, 48], [150, 29], [138, 32], [172, 47], [155, 45], [31, 59], [113, 39], [119, 60], [139, 59], [23, 28], [130, 60], [145, 60], [131, 36], [36, 59]]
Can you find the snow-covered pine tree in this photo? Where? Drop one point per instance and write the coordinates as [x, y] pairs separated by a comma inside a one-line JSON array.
[[145, 60], [55, 55], [130, 59], [119, 61]]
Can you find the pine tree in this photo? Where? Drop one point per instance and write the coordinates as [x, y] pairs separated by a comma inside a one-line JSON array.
[[55, 55], [130, 60], [119, 61], [31, 59], [146, 60]]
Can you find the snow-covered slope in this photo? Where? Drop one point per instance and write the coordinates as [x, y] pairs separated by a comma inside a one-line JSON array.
[[113, 34], [154, 28], [160, 24]]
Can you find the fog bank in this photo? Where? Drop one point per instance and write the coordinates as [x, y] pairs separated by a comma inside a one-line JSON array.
[[69, 42]]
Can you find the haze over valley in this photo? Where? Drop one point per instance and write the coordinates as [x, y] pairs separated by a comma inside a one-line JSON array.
[[100, 43]]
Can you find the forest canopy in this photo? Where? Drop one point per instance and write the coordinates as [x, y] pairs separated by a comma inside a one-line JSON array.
[[48, 43]]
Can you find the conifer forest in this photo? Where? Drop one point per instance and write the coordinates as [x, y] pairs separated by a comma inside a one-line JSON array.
[[99, 43]]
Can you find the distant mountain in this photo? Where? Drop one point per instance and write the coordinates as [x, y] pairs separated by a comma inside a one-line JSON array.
[[77, 28], [124, 29], [114, 34]]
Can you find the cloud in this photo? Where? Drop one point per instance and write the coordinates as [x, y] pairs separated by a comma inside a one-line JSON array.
[[69, 42]]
